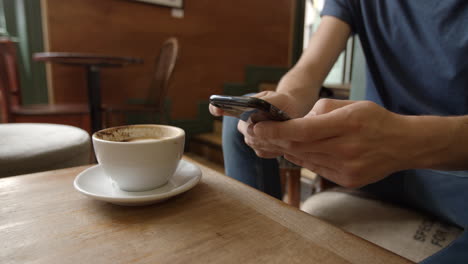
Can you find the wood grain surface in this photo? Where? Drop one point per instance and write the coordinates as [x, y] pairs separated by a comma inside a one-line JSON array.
[[44, 220]]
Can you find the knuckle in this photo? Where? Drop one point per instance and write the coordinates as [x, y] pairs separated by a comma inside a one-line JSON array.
[[264, 94], [368, 104], [357, 117], [323, 105], [248, 141], [240, 126], [257, 144]]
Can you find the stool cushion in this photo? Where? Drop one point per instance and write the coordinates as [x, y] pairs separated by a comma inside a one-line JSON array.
[[27, 148], [405, 232]]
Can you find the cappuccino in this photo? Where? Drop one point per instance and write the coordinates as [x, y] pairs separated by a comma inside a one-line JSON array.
[[139, 157]]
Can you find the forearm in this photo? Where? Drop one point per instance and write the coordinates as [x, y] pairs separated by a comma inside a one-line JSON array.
[[304, 80], [439, 143], [300, 84]]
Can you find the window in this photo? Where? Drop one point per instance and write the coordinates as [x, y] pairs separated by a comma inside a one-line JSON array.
[[341, 71]]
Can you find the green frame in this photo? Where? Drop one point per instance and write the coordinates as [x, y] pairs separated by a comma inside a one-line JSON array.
[[21, 21], [298, 32]]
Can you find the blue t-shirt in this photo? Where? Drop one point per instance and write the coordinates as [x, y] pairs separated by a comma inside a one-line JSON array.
[[417, 59], [416, 52]]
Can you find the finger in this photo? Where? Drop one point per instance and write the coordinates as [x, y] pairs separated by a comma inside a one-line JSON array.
[[308, 128], [273, 98], [294, 159], [216, 111], [249, 130], [320, 159], [267, 154], [242, 127], [261, 148], [325, 120], [264, 94], [310, 165], [331, 146], [323, 106], [261, 145]]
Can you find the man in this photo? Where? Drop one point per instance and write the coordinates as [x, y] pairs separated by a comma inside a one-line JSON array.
[[407, 143]]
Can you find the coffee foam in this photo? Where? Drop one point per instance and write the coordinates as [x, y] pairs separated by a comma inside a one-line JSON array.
[[127, 133]]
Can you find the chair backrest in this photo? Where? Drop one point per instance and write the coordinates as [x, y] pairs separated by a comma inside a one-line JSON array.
[[10, 93], [164, 67]]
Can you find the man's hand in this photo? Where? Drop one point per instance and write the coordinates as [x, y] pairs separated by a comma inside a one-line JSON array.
[[284, 102], [350, 143]]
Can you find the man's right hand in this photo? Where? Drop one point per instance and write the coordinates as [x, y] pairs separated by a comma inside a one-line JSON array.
[[284, 102]]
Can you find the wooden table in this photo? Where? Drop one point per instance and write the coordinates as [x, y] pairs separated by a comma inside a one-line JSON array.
[[44, 220], [93, 63]]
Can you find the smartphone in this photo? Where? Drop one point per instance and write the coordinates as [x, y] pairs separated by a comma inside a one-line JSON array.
[[249, 109]]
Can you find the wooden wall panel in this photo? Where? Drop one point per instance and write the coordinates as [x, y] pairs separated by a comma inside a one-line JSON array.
[[217, 40]]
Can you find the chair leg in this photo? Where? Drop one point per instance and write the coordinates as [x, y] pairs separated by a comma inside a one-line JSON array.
[[293, 185], [283, 181], [323, 184]]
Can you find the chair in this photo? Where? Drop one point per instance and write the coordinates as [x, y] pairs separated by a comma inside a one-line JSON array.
[[406, 232], [154, 104], [12, 110]]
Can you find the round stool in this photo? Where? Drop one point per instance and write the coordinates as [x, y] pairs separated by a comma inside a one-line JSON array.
[[403, 231], [27, 147]]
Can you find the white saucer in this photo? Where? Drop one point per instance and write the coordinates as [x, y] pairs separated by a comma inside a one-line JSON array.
[[94, 183]]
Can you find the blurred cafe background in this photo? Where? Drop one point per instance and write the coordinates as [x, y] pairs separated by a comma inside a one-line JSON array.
[[95, 64]]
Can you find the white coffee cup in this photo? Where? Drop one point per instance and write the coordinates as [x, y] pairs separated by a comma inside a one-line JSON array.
[[139, 157]]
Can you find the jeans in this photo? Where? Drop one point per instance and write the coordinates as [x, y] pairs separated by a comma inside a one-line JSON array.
[[242, 164], [441, 194]]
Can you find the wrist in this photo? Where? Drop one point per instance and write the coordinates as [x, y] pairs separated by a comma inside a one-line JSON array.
[[303, 94], [436, 142]]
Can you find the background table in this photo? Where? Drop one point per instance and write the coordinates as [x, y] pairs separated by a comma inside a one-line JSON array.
[[44, 220], [93, 63]]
